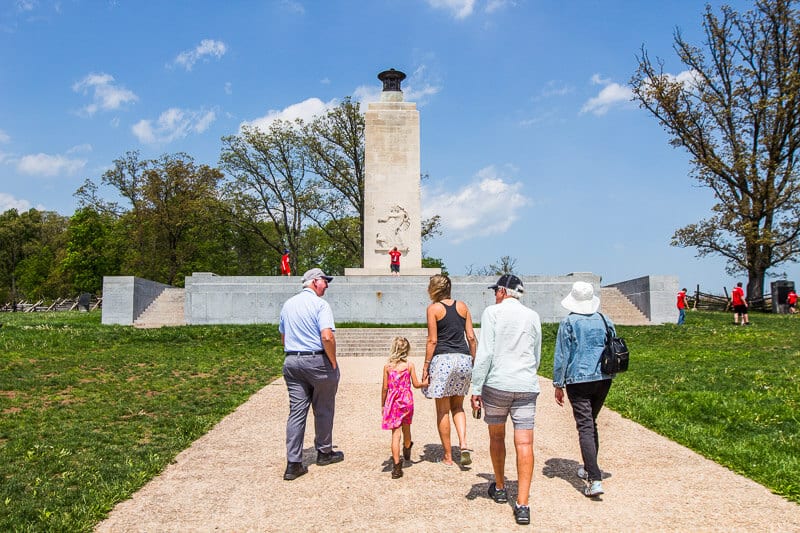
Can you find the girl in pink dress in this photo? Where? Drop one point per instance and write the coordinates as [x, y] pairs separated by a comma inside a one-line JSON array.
[[398, 400]]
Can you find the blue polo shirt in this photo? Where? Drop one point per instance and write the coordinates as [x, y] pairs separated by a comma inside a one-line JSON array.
[[303, 317]]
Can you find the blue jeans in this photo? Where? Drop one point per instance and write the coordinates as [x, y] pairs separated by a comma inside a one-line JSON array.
[[681, 316]]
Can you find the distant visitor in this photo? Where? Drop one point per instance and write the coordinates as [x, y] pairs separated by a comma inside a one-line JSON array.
[[286, 269], [394, 261]]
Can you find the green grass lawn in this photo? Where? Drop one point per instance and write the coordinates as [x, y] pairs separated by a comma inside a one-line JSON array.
[[89, 413]]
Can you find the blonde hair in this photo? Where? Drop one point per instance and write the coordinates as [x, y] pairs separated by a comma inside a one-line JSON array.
[[439, 287], [400, 349]]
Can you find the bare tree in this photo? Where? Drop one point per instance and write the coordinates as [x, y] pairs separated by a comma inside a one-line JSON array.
[[736, 111]]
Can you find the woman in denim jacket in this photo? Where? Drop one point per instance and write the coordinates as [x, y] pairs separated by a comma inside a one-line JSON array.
[[579, 344]]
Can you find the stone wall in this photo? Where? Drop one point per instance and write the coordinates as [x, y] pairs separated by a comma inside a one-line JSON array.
[[212, 299], [126, 297], [655, 296]]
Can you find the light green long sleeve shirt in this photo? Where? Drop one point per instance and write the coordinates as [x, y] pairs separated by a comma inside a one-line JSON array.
[[509, 350]]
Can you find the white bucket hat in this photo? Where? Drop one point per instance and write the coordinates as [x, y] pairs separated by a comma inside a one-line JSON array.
[[581, 299]]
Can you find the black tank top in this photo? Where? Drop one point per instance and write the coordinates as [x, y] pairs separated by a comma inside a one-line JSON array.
[[450, 332]]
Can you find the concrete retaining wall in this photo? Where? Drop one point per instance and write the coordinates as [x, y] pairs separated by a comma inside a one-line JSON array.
[[655, 296], [212, 299], [126, 297]]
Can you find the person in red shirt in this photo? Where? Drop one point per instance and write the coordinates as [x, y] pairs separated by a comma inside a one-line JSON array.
[[394, 261], [791, 299], [681, 306], [286, 270], [739, 303]]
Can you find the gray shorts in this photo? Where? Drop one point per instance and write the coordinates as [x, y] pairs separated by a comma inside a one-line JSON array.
[[498, 404]]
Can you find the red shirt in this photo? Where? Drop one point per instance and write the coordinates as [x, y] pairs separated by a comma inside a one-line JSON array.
[[285, 268], [738, 296], [791, 298], [681, 300], [394, 257]]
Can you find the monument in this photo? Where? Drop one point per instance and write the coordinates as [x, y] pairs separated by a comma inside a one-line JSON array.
[[391, 183]]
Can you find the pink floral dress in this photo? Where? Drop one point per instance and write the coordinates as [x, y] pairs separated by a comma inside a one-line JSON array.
[[399, 406]]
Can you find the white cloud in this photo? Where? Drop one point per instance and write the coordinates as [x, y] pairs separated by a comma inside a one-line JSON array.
[[228, 87], [495, 5], [26, 5], [4, 137], [207, 48], [49, 165], [305, 110], [86, 147], [487, 206], [459, 8], [293, 6], [173, 124], [106, 95], [611, 95], [9, 202]]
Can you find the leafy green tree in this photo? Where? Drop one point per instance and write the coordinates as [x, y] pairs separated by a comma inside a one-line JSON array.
[[172, 222], [736, 111], [270, 183], [334, 143], [506, 265], [91, 250]]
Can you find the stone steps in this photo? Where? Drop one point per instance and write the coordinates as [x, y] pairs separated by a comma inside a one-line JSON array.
[[166, 310], [620, 309], [376, 342]]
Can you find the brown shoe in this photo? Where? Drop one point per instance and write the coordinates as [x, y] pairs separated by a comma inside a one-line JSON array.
[[397, 471], [407, 451]]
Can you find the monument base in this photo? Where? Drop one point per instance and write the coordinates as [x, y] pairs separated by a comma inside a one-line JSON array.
[[404, 271]]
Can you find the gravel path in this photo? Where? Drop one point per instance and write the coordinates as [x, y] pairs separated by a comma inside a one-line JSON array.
[[231, 478]]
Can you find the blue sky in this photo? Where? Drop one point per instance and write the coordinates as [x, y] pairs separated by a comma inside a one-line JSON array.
[[532, 145]]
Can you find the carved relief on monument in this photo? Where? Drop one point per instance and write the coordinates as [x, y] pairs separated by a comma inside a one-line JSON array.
[[392, 228]]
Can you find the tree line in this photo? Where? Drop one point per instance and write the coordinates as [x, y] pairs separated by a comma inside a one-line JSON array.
[[295, 186]]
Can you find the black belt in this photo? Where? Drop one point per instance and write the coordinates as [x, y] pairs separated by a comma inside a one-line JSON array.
[[318, 352]]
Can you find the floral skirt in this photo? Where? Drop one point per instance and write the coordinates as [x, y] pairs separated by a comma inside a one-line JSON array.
[[450, 375]]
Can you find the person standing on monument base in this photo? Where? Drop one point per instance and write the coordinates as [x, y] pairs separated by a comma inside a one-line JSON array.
[[449, 355], [505, 382], [310, 371], [286, 269], [394, 261]]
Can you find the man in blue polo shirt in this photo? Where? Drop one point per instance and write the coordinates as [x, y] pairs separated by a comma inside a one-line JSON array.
[[310, 371]]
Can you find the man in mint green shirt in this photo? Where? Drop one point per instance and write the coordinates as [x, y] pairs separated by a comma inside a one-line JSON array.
[[505, 382]]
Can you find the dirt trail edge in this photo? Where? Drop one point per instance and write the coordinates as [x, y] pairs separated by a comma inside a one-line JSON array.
[[231, 478]]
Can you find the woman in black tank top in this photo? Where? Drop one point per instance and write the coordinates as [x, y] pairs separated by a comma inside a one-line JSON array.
[[449, 354]]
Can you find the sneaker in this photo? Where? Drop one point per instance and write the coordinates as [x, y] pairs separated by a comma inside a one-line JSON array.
[[397, 470], [595, 488], [582, 473], [522, 514], [498, 495], [329, 458], [407, 452], [466, 458], [294, 471]]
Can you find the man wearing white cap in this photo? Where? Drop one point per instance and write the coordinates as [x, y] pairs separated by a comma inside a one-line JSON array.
[[310, 371], [576, 366], [505, 382]]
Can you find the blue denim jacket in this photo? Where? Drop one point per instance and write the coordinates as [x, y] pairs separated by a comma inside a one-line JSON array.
[[579, 343]]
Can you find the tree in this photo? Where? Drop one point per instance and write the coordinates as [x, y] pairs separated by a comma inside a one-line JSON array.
[[505, 265], [269, 184], [90, 250], [172, 224], [736, 111], [335, 147]]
